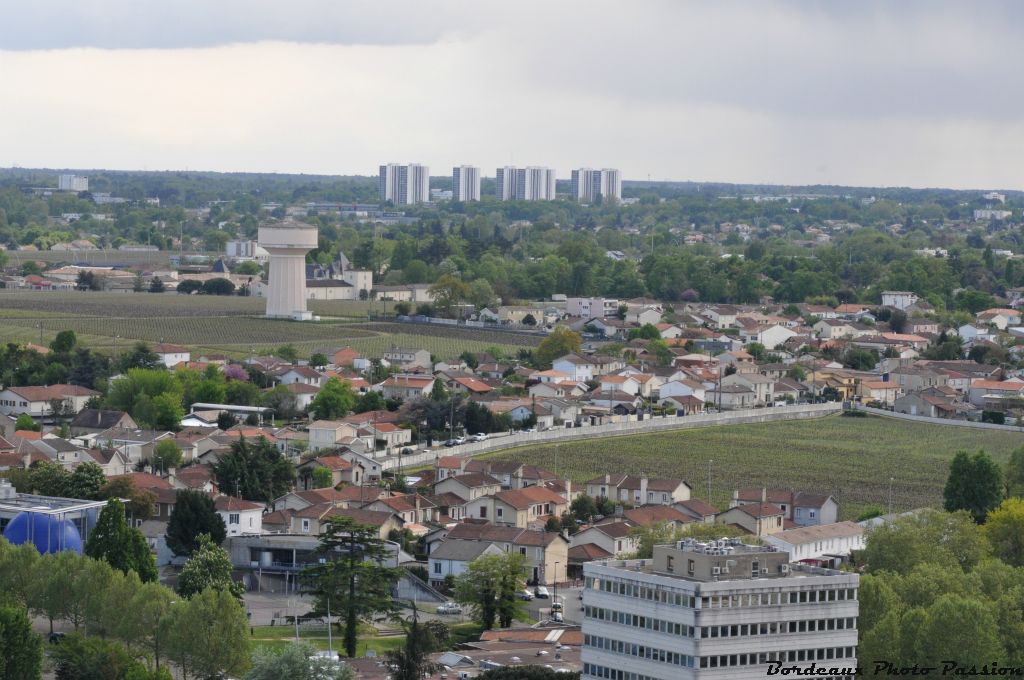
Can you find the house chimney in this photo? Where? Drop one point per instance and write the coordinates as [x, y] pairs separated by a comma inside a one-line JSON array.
[[148, 469], [643, 490], [607, 479], [764, 495], [170, 475]]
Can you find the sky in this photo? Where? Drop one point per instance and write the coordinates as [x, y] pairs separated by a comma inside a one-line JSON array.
[[910, 93]]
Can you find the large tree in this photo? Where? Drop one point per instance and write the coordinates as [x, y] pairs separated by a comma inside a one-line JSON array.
[[1005, 531], [254, 470], [297, 661], [334, 400], [559, 342], [86, 481], [194, 514], [208, 635], [929, 536], [353, 581], [21, 650], [140, 502], [119, 545], [491, 586], [208, 567], [411, 662], [975, 484]]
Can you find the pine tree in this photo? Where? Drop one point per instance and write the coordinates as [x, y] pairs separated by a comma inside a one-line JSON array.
[[974, 484], [119, 545], [193, 514]]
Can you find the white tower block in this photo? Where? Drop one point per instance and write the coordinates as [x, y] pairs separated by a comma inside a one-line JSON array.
[[287, 242]]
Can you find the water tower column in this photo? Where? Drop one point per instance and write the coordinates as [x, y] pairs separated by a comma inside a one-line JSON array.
[[287, 244]]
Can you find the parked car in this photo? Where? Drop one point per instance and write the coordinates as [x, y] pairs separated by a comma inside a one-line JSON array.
[[478, 437], [460, 440], [450, 443], [449, 608], [541, 592], [557, 617], [407, 451], [55, 637], [556, 606], [525, 595]]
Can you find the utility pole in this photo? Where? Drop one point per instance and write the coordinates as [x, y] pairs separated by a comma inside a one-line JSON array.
[[330, 642], [891, 480]]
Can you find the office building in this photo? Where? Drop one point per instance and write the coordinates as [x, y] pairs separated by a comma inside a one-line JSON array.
[[465, 183], [716, 610], [72, 183], [592, 186], [525, 184], [404, 184]]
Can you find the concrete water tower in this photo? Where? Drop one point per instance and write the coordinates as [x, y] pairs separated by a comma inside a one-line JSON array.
[[287, 242]]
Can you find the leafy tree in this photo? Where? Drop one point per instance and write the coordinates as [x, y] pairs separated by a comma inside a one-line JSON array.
[[208, 634], [140, 503], [973, 639], [438, 392], [218, 287], [322, 478], [1015, 472], [490, 586], [283, 402], [353, 581], [411, 661], [145, 621], [318, 360], [254, 470], [930, 536], [116, 543], [166, 455], [529, 320], [558, 343], [370, 401], [796, 372], [48, 478], [21, 650], [90, 658], [288, 353], [65, 341], [296, 661], [86, 481], [189, 286], [141, 356], [1005, 531], [527, 673], [448, 292], [209, 566], [156, 285], [193, 514], [27, 423], [334, 400], [646, 332], [974, 484]]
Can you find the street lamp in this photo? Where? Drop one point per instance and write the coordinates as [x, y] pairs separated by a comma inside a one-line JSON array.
[[554, 596], [709, 479], [891, 480]]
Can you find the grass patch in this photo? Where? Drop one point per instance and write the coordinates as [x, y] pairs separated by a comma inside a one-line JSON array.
[[850, 458]]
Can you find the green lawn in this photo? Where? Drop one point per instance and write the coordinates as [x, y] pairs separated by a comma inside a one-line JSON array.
[[850, 458]]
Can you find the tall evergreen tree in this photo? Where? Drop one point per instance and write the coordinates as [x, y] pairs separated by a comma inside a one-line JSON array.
[[353, 581], [411, 662], [254, 470], [193, 514], [975, 484]]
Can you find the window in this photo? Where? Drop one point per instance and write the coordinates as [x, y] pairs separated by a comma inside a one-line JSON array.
[[483, 512], [522, 551], [305, 526], [437, 567], [811, 514], [668, 566], [233, 518], [498, 512], [689, 566]]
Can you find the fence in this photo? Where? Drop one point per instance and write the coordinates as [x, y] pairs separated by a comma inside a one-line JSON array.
[[936, 421], [656, 424]]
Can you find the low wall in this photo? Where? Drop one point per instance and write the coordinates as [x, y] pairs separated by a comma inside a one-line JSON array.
[[656, 424], [936, 421]]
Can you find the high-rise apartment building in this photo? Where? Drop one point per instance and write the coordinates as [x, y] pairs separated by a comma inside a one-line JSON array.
[[525, 184], [589, 184], [404, 184], [465, 183], [720, 610], [72, 183]]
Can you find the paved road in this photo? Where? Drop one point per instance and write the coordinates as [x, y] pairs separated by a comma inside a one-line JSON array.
[[572, 606]]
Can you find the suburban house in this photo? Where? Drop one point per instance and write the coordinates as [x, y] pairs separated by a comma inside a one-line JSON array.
[[522, 508], [240, 516], [821, 544], [327, 434], [92, 420], [469, 486], [639, 490], [615, 538], [697, 510], [315, 518], [452, 558], [801, 508], [38, 402], [759, 519], [341, 471], [413, 508], [575, 367], [936, 403], [543, 550], [171, 355], [408, 358], [298, 375], [407, 387], [898, 298], [731, 397]]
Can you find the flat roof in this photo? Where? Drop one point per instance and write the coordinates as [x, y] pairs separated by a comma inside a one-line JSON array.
[[47, 505]]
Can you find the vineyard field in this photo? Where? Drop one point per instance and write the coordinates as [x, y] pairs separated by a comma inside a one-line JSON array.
[[850, 458], [228, 325]]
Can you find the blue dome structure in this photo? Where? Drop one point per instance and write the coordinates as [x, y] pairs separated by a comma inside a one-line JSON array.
[[48, 533]]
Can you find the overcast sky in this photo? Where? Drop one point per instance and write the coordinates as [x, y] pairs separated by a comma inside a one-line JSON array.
[[889, 93]]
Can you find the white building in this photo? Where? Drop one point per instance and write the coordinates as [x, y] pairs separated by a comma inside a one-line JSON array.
[[900, 299], [404, 184], [246, 250], [172, 355], [727, 611], [589, 184], [818, 541], [72, 183], [525, 184], [240, 516], [38, 401], [287, 243], [591, 308], [465, 183], [989, 214]]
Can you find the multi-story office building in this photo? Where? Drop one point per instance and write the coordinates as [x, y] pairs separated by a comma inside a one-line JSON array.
[[404, 184], [466, 183], [72, 183], [720, 610], [525, 184], [589, 184]]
